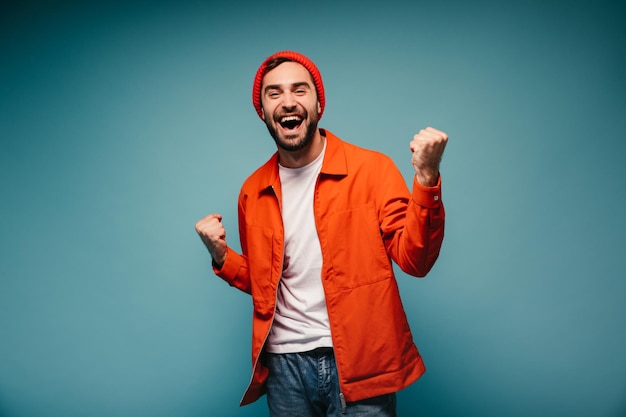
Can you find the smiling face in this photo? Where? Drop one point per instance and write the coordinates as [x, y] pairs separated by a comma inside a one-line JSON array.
[[290, 106]]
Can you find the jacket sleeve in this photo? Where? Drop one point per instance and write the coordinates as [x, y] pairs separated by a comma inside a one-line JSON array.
[[235, 268], [412, 228]]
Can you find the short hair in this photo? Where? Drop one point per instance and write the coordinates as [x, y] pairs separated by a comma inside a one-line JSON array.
[[273, 63]]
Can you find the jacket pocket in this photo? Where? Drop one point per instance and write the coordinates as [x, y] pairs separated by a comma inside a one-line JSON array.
[[357, 251], [375, 336]]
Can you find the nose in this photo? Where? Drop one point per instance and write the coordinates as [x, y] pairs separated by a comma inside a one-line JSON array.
[[289, 101]]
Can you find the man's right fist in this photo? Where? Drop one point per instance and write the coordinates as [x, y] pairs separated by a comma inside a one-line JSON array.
[[213, 235]]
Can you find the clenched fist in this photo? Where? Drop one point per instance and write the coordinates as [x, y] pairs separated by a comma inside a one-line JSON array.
[[427, 147], [213, 235]]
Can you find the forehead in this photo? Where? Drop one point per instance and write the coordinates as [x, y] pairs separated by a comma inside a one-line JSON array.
[[287, 73]]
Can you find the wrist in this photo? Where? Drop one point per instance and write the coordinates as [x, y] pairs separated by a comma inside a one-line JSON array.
[[427, 179], [218, 260]]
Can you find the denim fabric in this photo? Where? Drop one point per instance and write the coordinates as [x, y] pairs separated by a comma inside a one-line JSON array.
[[306, 385]]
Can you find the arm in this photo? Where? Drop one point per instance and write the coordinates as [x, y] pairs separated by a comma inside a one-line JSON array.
[[227, 264], [235, 271], [413, 230]]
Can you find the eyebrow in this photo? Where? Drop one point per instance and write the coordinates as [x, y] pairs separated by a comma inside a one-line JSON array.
[[279, 86]]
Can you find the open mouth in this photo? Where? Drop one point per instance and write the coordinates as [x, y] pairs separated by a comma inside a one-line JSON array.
[[290, 122]]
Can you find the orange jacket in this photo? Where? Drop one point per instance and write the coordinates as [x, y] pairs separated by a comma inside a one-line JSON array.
[[365, 218]]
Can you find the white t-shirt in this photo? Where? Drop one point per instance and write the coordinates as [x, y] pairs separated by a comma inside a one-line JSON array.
[[301, 319]]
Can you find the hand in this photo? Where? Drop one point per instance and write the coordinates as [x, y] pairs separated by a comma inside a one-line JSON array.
[[213, 235], [427, 147]]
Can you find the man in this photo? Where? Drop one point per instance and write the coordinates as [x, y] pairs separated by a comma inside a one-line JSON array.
[[319, 225]]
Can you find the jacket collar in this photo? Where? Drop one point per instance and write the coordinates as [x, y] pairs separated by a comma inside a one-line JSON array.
[[335, 157], [334, 163]]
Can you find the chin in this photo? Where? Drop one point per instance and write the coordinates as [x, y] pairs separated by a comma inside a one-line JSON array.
[[294, 143]]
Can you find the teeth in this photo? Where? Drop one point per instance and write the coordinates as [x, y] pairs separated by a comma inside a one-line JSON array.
[[290, 118]]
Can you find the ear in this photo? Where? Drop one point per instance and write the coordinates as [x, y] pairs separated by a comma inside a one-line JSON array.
[[319, 107], [262, 113]]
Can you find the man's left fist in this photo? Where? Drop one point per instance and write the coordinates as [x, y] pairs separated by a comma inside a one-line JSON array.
[[427, 147]]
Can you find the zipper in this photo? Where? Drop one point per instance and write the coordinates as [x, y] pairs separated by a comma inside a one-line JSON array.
[[342, 398], [256, 360]]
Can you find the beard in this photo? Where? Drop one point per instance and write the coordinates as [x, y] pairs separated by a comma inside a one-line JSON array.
[[292, 143]]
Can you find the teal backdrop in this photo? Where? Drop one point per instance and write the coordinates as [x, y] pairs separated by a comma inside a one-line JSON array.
[[123, 123]]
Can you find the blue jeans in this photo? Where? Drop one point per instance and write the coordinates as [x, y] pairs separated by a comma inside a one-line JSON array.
[[306, 385]]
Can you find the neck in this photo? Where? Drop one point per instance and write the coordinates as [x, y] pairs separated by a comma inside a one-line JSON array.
[[302, 157]]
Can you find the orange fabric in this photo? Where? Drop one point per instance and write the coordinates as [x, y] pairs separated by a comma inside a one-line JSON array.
[[365, 217]]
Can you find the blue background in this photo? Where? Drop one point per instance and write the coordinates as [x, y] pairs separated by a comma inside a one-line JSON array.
[[122, 124]]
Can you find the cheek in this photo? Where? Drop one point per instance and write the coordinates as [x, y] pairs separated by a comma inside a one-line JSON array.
[[267, 112], [268, 109]]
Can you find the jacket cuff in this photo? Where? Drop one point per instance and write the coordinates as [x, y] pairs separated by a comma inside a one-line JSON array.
[[429, 197], [230, 267]]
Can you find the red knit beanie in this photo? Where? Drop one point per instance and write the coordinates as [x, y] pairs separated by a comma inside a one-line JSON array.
[[292, 56]]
